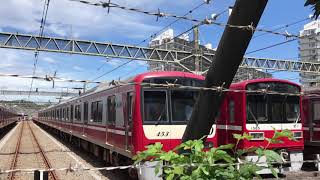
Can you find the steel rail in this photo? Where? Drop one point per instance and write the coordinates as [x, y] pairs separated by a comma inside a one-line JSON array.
[[43, 155], [16, 153]]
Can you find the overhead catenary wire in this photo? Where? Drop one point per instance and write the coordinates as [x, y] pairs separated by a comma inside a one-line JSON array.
[[125, 63], [152, 36], [173, 22], [283, 27], [172, 39], [207, 21], [49, 78], [201, 22], [42, 25], [270, 46]]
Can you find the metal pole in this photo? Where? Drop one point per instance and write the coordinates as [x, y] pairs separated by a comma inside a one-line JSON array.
[[196, 48], [232, 46]]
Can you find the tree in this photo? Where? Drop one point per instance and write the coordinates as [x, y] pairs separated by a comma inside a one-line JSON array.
[[316, 7]]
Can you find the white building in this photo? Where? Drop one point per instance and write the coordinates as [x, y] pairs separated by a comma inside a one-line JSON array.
[[309, 51]]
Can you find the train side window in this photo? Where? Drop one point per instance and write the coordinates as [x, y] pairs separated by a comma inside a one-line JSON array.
[[67, 116], [96, 111], [77, 113], [99, 111], [71, 113], [231, 111], [63, 114], [111, 107], [93, 110], [57, 114], [130, 108], [316, 113], [85, 111]]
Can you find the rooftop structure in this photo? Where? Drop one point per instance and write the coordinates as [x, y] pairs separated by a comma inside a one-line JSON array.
[[167, 41]]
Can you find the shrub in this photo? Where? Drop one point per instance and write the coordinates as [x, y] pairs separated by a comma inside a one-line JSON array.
[[223, 162]]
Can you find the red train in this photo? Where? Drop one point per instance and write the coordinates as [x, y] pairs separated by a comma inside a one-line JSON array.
[[7, 117], [124, 119], [117, 121], [248, 110], [311, 112]]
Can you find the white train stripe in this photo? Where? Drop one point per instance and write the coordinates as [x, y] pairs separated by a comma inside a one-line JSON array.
[[115, 131], [277, 126], [119, 132], [97, 128], [314, 129], [230, 127], [169, 131]]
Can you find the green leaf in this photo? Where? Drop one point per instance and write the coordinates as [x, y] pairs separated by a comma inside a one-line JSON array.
[[198, 146], [237, 136], [273, 171], [240, 152], [178, 170], [242, 137], [272, 156], [260, 152], [170, 177], [225, 147], [157, 168], [169, 156], [204, 170]]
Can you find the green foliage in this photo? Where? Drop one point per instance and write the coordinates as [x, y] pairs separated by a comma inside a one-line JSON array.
[[216, 163], [315, 6]]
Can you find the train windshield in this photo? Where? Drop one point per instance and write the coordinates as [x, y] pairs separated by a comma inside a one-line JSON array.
[[273, 108], [169, 105]]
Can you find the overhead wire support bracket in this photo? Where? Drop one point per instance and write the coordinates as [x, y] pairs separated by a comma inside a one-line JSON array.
[[92, 48]]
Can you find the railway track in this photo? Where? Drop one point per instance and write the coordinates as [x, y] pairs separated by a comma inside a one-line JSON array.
[[22, 134]]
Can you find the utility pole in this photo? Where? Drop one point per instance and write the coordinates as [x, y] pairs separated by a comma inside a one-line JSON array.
[[232, 46], [84, 87], [196, 49]]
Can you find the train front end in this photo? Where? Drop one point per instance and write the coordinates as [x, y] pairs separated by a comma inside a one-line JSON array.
[[273, 105], [164, 111]]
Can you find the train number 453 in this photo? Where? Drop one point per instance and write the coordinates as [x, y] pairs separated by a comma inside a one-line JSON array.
[[163, 134]]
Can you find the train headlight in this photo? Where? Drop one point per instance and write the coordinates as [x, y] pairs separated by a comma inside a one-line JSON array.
[[297, 134], [257, 135]]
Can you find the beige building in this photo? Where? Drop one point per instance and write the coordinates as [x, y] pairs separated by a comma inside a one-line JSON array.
[[309, 51], [166, 41]]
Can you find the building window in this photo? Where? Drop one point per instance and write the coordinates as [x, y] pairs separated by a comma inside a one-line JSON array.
[[111, 109], [96, 111]]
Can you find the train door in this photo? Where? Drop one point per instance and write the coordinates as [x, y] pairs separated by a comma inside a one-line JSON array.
[[129, 121], [315, 122]]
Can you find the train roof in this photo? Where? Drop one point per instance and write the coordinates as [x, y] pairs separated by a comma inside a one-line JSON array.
[[243, 84], [137, 79]]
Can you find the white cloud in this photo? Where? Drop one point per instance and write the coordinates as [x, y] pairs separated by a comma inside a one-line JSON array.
[[77, 68], [49, 60], [65, 17]]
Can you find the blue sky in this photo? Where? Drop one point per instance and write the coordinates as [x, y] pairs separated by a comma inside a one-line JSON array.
[[74, 20]]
